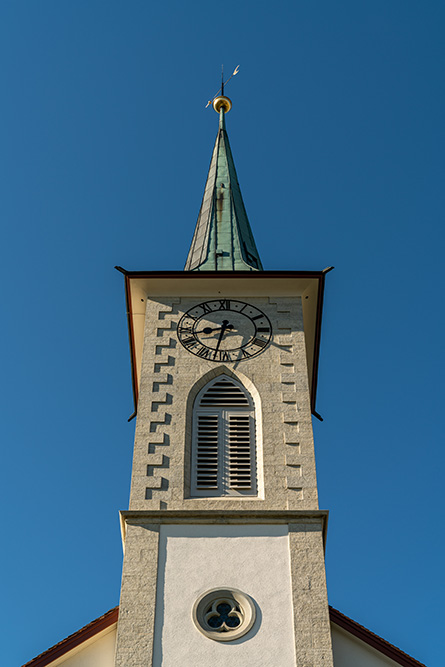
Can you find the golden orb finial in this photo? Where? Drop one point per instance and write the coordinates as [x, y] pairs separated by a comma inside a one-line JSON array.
[[222, 102]]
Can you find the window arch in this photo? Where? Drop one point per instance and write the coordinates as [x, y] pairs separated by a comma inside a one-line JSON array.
[[223, 448]]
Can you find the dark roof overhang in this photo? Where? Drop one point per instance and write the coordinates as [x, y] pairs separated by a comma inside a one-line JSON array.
[[309, 284]]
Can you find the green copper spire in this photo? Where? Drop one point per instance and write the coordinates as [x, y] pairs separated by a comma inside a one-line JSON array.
[[223, 239]]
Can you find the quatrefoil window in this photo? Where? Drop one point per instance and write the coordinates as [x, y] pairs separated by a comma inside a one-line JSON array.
[[224, 614]]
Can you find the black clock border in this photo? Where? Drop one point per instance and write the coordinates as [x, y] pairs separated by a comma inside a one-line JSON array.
[[205, 351]]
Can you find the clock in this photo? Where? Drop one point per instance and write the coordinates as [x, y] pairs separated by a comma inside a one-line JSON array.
[[225, 330]]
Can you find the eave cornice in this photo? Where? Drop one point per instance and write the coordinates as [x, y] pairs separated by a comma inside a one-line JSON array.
[[315, 278]]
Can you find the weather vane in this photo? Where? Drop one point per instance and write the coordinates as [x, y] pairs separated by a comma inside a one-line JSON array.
[[221, 90]]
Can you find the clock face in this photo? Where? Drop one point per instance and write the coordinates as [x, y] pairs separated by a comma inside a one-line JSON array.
[[225, 330]]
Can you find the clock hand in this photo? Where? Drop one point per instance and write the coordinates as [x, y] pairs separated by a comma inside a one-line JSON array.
[[208, 330], [225, 324]]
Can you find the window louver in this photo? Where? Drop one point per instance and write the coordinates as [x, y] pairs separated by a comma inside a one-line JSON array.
[[240, 468], [224, 394], [224, 459], [207, 452]]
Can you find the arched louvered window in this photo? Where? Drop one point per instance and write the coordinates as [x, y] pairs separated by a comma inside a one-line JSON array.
[[223, 458]]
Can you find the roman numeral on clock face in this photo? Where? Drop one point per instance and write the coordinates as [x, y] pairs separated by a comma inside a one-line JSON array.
[[221, 355], [189, 342], [204, 352], [259, 342]]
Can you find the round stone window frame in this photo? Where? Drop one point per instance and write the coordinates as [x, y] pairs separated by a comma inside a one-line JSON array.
[[231, 596]]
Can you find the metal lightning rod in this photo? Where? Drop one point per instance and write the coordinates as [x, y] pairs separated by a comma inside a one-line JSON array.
[[221, 90]]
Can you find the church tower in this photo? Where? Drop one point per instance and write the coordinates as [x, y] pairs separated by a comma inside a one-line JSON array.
[[224, 540]]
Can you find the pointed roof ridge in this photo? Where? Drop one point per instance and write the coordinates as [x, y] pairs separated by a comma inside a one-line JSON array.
[[223, 239]]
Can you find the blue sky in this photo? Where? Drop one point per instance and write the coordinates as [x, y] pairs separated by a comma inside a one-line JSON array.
[[338, 137]]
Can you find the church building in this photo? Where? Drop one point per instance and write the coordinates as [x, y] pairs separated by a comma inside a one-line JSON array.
[[224, 540]]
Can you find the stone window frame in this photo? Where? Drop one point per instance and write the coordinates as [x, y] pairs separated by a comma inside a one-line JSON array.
[[243, 607], [189, 412]]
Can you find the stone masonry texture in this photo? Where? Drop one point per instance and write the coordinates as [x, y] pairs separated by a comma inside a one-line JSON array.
[[170, 379]]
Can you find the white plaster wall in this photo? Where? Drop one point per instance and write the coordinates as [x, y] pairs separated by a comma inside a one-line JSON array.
[[352, 652], [194, 559], [95, 652]]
